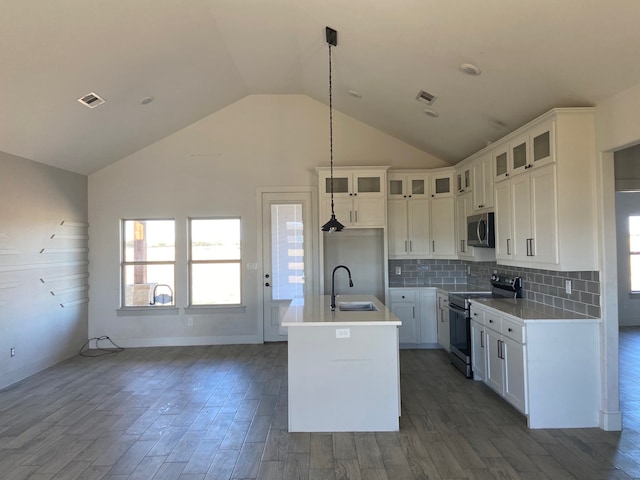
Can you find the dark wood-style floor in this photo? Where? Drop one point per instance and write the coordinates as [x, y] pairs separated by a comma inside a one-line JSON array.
[[195, 413]]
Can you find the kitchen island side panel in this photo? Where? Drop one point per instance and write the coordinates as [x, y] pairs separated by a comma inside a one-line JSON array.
[[344, 384]]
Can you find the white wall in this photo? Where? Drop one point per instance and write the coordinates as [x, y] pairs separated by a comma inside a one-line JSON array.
[[210, 168], [40, 254], [617, 127]]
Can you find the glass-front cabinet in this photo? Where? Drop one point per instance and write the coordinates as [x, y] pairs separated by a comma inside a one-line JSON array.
[[352, 183], [542, 144], [463, 180], [408, 185], [501, 162], [519, 149], [442, 184]]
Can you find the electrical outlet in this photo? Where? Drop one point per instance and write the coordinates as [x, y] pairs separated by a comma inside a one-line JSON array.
[[567, 286], [343, 332], [398, 270], [13, 352], [190, 321]]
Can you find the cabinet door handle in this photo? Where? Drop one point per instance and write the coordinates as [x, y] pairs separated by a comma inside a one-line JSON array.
[[508, 246], [480, 206], [481, 338], [433, 246], [533, 247], [510, 329], [414, 312], [490, 321]]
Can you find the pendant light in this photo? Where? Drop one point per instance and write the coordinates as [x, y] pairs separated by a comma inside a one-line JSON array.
[[332, 225]]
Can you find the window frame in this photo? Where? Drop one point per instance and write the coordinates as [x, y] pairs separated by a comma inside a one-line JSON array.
[[191, 262], [124, 264], [632, 254]]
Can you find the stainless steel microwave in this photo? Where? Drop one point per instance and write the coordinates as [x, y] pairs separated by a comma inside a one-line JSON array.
[[480, 230]]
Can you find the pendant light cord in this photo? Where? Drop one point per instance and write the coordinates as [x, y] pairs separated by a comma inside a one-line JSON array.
[[331, 127]]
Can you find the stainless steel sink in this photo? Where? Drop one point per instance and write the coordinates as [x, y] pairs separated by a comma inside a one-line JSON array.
[[357, 307]]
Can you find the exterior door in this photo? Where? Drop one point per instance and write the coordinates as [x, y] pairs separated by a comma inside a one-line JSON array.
[[287, 247]]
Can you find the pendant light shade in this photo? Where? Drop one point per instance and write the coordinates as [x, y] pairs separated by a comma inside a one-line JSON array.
[[333, 225]]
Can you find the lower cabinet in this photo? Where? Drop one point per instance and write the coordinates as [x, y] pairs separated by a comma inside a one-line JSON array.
[[527, 363], [504, 369], [416, 309], [444, 334]]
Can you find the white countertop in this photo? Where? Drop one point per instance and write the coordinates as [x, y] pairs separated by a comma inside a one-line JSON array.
[[314, 310], [529, 311]]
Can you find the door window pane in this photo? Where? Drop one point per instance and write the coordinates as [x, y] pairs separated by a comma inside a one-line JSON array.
[[287, 251], [634, 251]]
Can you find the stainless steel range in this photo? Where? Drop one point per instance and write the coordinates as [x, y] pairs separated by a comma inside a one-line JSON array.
[[502, 286]]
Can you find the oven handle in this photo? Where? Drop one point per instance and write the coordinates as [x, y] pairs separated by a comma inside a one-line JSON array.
[[455, 308]]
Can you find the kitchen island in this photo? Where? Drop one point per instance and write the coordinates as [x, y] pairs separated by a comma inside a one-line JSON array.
[[344, 367]]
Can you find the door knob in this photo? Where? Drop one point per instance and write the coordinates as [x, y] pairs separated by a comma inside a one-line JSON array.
[[266, 276], [267, 284]]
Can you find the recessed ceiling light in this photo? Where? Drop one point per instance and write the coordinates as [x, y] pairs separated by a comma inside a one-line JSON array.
[[431, 112], [470, 69], [91, 100], [354, 94], [146, 100]]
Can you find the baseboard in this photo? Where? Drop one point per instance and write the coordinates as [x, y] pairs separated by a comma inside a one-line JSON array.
[[185, 341], [611, 422]]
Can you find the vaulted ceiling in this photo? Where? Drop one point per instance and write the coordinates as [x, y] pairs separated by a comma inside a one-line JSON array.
[[195, 57]]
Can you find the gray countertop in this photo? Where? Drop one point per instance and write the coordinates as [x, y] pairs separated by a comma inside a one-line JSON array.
[[529, 311]]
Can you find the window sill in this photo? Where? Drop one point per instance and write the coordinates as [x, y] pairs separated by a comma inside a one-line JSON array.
[[208, 310], [145, 311]]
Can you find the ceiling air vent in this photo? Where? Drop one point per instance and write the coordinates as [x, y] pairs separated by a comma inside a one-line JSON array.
[[91, 100], [426, 97]]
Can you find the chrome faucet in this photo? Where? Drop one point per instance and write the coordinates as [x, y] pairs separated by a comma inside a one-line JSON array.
[[333, 284]]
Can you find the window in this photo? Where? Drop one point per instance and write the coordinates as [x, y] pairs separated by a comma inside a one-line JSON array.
[[634, 251], [148, 263], [215, 261]]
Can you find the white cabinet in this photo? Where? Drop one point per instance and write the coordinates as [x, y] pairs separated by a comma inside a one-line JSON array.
[[443, 228], [464, 183], [503, 228], [421, 214], [408, 227], [535, 233], [408, 185], [464, 208], [404, 304], [546, 217], [478, 349], [483, 182], [416, 308], [503, 366], [526, 362], [442, 183], [359, 195], [443, 321], [428, 317]]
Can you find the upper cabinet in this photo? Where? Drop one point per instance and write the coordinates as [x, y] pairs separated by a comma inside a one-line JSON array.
[[442, 183], [482, 169], [544, 206], [463, 180], [408, 185], [421, 213], [531, 148], [360, 195]]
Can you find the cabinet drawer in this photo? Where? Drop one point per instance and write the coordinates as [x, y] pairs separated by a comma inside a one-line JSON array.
[[478, 316], [513, 330], [399, 296], [492, 321]]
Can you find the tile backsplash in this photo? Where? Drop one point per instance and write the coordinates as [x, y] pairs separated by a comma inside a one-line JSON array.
[[542, 286]]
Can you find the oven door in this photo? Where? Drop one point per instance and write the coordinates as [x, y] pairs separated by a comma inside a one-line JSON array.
[[460, 336]]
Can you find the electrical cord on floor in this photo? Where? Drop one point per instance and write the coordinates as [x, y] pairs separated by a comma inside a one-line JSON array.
[[100, 350]]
